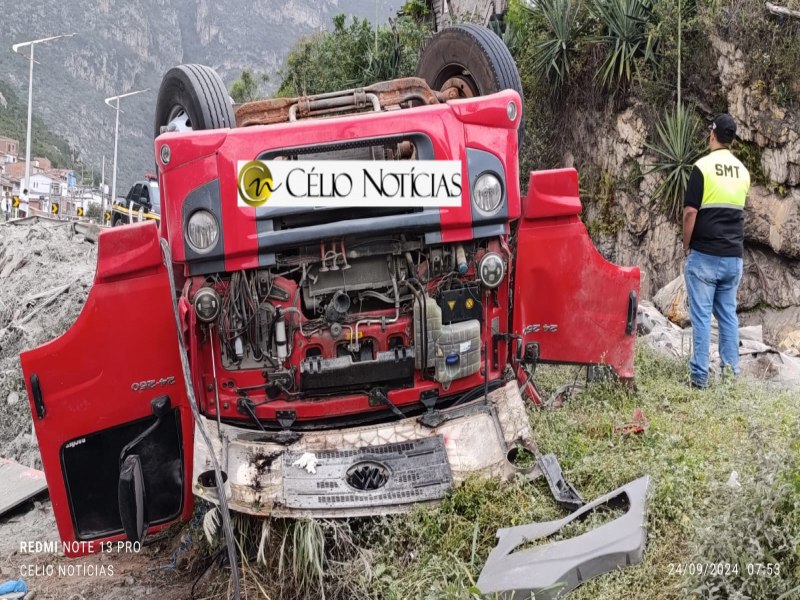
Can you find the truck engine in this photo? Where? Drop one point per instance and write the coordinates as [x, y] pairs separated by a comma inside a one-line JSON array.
[[344, 318]]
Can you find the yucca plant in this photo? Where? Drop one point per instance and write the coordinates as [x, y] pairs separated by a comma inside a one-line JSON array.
[[626, 38], [564, 30], [678, 145]]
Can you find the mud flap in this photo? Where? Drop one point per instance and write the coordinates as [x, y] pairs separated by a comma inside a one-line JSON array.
[[551, 571]]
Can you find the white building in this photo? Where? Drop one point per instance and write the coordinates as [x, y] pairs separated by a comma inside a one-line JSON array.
[[41, 185]]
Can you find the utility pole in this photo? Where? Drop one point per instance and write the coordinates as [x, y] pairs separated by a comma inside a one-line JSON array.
[[16, 48], [116, 137], [103, 189]]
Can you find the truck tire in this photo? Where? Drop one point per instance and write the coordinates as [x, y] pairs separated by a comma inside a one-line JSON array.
[[470, 60], [192, 98]]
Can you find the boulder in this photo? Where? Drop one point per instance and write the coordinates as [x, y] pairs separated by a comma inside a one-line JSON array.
[[773, 220], [649, 318], [778, 323], [769, 279], [791, 343], [672, 301]]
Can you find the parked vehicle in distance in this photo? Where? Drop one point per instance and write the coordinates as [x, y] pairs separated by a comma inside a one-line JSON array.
[[143, 203]]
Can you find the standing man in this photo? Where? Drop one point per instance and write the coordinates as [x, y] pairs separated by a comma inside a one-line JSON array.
[[23, 203], [6, 206], [713, 241]]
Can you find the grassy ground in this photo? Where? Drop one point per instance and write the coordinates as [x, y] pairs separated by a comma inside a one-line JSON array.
[[694, 441]]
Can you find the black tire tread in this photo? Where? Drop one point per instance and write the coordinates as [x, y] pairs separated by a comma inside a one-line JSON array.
[[508, 74], [214, 84], [212, 107], [496, 54]]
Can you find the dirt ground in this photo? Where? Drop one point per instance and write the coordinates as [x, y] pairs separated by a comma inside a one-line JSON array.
[[46, 271], [156, 571]]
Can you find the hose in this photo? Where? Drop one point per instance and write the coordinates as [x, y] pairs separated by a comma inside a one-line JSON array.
[[381, 297], [227, 526], [422, 299], [394, 319]]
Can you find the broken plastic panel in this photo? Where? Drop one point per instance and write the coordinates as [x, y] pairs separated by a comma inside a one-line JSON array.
[[563, 492], [551, 571]]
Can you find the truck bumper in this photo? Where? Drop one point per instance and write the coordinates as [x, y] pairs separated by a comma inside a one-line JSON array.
[[370, 470]]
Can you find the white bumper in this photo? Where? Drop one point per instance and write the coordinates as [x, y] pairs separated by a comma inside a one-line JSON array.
[[420, 463]]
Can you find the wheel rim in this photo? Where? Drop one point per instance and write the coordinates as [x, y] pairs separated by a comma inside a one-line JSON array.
[[457, 82], [179, 120]]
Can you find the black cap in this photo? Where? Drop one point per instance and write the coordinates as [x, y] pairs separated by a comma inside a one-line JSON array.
[[724, 127]]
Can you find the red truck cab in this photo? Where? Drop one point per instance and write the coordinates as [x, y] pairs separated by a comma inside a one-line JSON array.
[[342, 359]]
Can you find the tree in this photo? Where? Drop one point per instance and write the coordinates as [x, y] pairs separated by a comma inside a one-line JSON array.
[[245, 89], [93, 211], [354, 54]]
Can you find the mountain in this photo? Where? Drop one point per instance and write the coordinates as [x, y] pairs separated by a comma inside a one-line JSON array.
[[14, 121], [126, 45]]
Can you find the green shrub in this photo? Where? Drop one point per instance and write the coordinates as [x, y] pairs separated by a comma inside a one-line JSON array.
[[770, 45], [626, 37], [353, 55], [558, 48], [750, 155], [245, 88], [678, 145]]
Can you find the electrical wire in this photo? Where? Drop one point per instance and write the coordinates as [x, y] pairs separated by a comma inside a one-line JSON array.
[[227, 525]]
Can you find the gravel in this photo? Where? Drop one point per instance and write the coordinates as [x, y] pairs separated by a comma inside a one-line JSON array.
[[38, 258]]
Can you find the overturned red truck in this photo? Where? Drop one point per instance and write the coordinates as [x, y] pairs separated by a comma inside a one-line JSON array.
[[340, 307]]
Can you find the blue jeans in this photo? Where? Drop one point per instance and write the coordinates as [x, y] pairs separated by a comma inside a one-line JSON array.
[[711, 284]]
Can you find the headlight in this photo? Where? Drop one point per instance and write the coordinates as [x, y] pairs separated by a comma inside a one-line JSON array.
[[487, 193], [207, 304], [202, 231], [491, 269]]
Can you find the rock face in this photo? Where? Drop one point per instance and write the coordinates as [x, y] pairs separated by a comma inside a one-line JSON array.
[[615, 144], [759, 118], [774, 220], [769, 279]]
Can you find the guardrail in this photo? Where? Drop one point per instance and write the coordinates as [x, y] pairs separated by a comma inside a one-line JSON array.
[[80, 224]]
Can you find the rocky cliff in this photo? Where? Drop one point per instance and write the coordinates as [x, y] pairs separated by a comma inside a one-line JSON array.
[[633, 230], [124, 45]]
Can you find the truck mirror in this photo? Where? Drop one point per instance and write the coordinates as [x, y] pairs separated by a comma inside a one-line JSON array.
[[130, 491], [131, 498]]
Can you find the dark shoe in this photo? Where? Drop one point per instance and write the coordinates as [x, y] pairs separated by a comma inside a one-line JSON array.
[[698, 386]]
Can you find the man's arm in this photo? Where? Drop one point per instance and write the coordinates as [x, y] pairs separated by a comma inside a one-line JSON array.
[[691, 204], [689, 217]]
